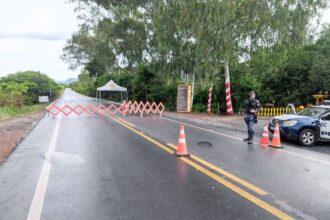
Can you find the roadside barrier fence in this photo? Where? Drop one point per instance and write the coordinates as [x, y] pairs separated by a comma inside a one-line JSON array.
[[111, 109], [271, 111], [144, 108]]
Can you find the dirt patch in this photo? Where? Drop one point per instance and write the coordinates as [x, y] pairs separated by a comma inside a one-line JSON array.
[[13, 130]]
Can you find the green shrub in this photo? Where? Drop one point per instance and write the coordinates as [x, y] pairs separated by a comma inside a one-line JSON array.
[[24, 88], [13, 94], [199, 107], [7, 112]]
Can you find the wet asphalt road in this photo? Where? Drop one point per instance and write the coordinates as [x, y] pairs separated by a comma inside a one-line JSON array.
[[102, 168]]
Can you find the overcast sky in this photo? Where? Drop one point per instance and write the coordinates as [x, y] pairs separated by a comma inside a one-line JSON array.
[[33, 33]]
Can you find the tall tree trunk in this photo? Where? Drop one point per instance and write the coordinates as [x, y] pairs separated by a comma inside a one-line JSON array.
[[228, 93], [184, 76], [192, 90]]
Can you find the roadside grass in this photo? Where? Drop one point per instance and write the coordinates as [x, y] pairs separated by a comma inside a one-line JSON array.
[[10, 112]]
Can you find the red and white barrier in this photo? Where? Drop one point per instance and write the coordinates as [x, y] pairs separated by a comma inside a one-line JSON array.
[[89, 109], [144, 108], [209, 100], [228, 97], [124, 109]]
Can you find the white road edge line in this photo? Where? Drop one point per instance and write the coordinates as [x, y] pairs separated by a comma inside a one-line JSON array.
[[39, 194], [236, 138], [306, 157], [204, 129]]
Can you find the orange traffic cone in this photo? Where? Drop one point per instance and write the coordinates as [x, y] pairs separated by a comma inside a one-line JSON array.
[[182, 147], [276, 143], [265, 138]]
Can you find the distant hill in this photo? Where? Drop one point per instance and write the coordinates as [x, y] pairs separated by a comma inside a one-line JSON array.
[[68, 81]]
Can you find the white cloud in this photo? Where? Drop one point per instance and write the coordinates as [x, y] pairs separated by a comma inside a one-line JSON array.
[[30, 54], [37, 36], [32, 35], [37, 16]]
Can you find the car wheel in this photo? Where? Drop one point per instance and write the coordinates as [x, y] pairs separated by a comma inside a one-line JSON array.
[[307, 137]]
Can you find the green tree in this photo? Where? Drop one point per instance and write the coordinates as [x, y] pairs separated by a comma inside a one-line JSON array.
[[143, 83], [320, 71], [12, 94], [197, 41], [37, 84]]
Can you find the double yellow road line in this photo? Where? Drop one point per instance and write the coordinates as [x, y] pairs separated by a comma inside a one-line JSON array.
[[196, 163]]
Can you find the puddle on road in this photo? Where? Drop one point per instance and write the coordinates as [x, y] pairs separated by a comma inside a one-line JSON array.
[[66, 159], [205, 144]]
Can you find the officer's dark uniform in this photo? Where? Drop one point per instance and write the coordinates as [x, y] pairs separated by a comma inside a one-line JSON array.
[[251, 117]]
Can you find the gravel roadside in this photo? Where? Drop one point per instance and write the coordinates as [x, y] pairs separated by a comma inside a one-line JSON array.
[[14, 130]]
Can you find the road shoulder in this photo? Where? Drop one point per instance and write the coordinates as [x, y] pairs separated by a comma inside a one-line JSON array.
[[14, 130]]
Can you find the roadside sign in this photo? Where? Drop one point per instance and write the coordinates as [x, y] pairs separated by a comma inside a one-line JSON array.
[[183, 98], [43, 99]]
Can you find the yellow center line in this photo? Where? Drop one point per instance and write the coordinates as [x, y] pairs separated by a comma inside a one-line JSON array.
[[276, 212], [143, 135], [227, 174], [126, 122]]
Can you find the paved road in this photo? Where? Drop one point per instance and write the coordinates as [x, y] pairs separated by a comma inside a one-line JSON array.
[[79, 167]]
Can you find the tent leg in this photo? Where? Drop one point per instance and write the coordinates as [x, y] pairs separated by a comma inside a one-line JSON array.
[[121, 97]]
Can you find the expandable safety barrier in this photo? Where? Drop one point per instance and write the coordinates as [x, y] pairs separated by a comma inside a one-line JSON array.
[[123, 108], [143, 108], [88, 109]]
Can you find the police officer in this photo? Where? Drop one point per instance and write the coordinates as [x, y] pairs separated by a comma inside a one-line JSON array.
[[252, 107]]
